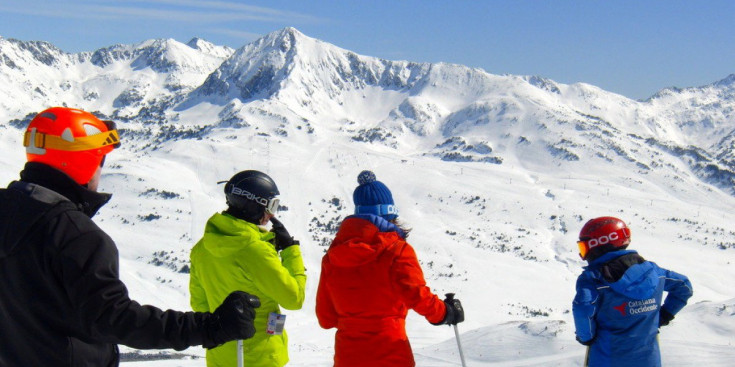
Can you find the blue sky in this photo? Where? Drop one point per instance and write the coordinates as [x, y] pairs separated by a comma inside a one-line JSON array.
[[629, 47]]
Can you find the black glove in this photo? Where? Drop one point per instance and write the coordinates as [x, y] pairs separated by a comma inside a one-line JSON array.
[[587, 343], [664, 317], [233, 319], [283, 239], [455, 312]]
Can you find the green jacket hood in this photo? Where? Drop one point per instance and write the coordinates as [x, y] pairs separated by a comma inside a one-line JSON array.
[[224, 234]]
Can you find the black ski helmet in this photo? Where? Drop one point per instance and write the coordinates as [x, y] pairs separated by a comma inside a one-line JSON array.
[[249, 193]]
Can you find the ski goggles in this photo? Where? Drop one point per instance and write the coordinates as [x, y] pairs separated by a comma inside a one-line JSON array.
[[112, 127], [43, 141], [583, 249], [271, 207]]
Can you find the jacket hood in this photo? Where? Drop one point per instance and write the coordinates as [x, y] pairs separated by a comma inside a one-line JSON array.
[[361, 239], [225, 235], [23, 207], [639, 279]]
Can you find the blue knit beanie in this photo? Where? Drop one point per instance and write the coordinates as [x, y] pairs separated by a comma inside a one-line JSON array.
[[373, 197]]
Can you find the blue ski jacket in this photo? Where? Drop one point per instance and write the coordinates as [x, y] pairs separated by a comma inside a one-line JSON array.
[[617, 306]]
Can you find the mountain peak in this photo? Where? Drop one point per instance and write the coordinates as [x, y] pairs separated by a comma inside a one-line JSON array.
[[42, 51], [201, 44], [197, 43], [209, 48], [729, 81], [282, 40], [288, 32], [256, 69]]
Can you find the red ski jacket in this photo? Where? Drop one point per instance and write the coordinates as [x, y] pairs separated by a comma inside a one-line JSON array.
[[370, 277]]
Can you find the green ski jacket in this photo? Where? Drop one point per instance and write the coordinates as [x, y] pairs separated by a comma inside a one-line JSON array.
[[235, 255]]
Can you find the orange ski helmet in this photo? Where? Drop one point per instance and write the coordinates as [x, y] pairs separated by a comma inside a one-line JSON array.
[[601, 235], [70, 140]]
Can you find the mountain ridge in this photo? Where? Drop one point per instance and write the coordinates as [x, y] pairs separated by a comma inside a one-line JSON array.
[[309, 85]]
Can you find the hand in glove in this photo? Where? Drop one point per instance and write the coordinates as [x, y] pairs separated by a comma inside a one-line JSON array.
[[232, 320], [283, 238], [664, 317], [455, 312], [587, 343]]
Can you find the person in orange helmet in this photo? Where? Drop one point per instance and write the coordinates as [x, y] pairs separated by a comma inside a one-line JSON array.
[[61, 298], [370, 278]]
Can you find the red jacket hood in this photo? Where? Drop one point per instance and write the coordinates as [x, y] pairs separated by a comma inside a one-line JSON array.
[[359, 242]]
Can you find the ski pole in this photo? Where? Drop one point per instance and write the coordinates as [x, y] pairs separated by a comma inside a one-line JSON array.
[[254, 302], [240, 362], [450, 298], [459, 344]]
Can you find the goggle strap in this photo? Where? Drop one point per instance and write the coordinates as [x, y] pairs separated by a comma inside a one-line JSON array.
[[271, 205], [380, 209], [46, 141]]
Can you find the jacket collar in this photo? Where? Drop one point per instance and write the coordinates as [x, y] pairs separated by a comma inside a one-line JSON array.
[[607, 257], [225, 235], [87, 201], [380, 222], [227, 224]]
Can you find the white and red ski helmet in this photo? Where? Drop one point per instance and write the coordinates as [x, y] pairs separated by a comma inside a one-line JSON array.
[[601, 235]]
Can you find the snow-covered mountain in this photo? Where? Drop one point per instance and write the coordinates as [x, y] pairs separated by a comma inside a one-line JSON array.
[[496, 174], [121, 81]]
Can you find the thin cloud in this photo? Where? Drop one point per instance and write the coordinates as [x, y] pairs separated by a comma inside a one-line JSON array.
[[167, 10], [252, 10], [179, 15], [39, 10]]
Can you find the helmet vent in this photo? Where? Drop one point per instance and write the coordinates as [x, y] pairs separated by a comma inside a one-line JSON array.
[[48, 115], [67, 135], [91, 129]]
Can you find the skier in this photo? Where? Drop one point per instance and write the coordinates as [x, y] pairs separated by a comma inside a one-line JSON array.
[[370, 277], [236, 254], [618, 308], [61, 300]]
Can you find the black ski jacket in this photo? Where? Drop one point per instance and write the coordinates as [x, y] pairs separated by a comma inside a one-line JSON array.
[[61, 300]]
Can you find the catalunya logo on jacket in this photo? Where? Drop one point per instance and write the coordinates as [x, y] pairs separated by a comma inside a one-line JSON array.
[[637, 307]]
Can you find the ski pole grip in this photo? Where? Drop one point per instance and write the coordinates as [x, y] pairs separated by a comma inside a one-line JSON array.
[[449, 296], [253, 301]]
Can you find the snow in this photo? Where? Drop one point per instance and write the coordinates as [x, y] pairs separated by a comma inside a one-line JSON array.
[[497, 288], [500, 236]]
